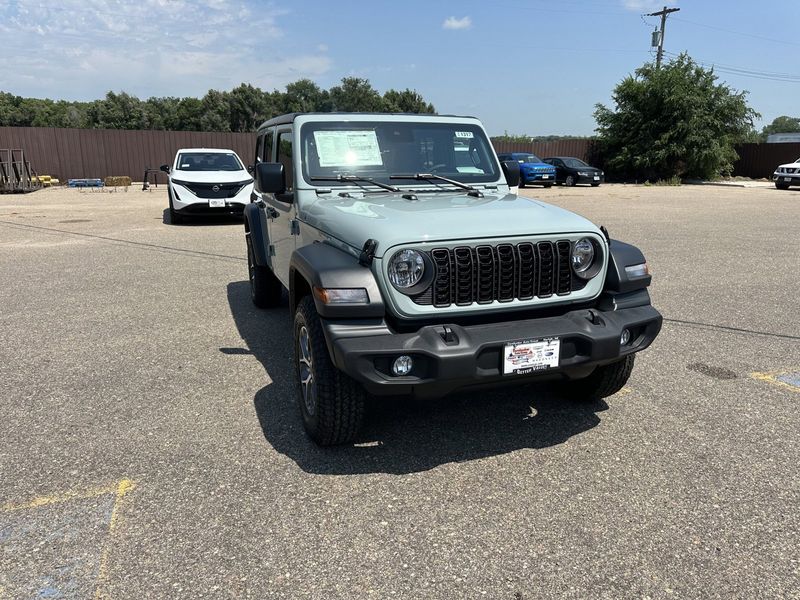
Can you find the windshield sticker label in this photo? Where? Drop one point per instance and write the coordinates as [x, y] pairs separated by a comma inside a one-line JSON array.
[[348, 148], [463, 134]]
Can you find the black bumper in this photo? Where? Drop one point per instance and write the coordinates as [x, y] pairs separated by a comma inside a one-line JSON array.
[[199, 209], [474, 354]]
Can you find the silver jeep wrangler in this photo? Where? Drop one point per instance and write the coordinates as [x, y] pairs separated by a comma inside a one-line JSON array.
[[413, 268]]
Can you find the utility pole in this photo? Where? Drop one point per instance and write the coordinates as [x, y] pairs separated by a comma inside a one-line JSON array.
[[663, 14]]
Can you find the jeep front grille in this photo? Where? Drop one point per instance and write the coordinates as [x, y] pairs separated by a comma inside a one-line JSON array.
[[483, 274]]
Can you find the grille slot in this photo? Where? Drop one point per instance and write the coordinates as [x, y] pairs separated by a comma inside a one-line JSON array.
[[206, 190], [505, 272]]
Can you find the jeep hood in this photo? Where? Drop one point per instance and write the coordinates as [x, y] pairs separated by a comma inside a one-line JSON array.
[[445, 216]]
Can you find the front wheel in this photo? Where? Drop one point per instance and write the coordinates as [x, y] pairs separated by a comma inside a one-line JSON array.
[[603, 382], [571, 181], [331, 403], [782, 186], [595, 184], [521, 182], [548, 185]]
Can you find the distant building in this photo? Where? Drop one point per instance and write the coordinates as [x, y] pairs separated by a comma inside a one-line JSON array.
[[783, 138]]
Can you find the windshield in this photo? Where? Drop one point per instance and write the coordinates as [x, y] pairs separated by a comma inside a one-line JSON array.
[[528, 158], [378, 150], [208, 161], [575, 163]]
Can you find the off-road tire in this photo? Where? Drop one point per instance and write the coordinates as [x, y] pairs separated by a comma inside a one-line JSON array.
[[265, 288], [339, 400], [604, 381]]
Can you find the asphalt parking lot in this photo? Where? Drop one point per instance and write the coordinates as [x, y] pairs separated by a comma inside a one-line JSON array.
[[151, 447]]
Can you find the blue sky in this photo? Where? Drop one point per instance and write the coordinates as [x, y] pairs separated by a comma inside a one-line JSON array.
[[523, 66]]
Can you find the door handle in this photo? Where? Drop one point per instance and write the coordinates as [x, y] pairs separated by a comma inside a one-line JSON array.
[[272, 213]]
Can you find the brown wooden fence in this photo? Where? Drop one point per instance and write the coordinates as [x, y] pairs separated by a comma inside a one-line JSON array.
[[74, 153], [77, 153]]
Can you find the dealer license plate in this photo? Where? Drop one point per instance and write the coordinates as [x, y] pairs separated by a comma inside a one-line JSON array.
[[528, 356], [545, 176], [216, 203], [787, 178]]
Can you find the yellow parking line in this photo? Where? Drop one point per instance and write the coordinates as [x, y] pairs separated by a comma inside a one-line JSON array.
[[125, 486], [772, 377], [58, 498]]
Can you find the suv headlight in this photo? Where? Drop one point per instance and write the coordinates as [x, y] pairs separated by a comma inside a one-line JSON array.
[[583, 258], [406, 268]]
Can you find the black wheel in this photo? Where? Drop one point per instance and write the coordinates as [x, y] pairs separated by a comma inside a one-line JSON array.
[[782, 186], [595, 184], [174, 217], [265, 288], [548, 185], [521, 182], [331, 403], [571, 181], [603, 382]]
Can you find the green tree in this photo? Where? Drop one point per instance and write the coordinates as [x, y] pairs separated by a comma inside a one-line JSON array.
[[355, 95], [305, 96], [673, 121], [216, 112], [407, 101], [119, 111], [782, 124]]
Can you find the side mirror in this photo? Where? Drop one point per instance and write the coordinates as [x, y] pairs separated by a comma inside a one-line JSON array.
[[511, 171], [270, 178], [251, 168], [165, 168]]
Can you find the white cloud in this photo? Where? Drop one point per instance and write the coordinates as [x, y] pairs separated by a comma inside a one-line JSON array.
[[646, 5], [455, 23], [80, 49]]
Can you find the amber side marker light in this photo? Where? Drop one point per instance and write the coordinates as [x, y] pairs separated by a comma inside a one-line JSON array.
[[341, 295]]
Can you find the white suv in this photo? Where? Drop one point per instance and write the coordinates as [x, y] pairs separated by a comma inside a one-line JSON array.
[[207, 181], [786, 175]]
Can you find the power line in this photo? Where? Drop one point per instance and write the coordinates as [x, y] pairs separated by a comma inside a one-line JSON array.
[[745, 72], [751, 35]]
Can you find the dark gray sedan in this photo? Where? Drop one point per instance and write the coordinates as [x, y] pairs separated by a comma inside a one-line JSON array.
[[572, 171]]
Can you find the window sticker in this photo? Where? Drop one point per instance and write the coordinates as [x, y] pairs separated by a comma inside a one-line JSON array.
[[464, 134], [348, 148]]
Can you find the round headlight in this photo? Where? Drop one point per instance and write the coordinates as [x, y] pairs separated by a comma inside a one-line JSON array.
[[406, 268], [582, 256]]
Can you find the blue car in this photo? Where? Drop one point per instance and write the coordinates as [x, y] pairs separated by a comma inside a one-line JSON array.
[[531, 168]]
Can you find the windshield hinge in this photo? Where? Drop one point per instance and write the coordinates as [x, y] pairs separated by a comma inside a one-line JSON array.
[[294, 227], [368, 252]]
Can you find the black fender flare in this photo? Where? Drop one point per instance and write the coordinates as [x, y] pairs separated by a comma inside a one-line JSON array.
[[256, 228], [623, 255], [324, 266]]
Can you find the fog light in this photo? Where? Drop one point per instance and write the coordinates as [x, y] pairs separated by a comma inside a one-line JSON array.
[[625, 337], [402, 365]]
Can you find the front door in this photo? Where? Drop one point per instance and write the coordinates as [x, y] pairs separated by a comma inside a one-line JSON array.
[[281, 210]]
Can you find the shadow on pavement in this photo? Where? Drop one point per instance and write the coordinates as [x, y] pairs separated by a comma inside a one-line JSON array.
[[401, 435]]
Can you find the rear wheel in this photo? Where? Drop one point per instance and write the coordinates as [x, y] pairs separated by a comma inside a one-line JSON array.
[[331, 403], [604, 381], [265, 289]]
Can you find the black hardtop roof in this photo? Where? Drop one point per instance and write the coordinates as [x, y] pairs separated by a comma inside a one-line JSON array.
[[290, 117]]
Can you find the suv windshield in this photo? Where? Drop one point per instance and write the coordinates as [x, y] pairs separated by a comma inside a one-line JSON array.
[[529, 158], [208, 161], [378, 150]]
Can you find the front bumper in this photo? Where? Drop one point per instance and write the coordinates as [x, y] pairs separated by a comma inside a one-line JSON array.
[[473, 355], [787, 178], [590, 179], [538, 177]]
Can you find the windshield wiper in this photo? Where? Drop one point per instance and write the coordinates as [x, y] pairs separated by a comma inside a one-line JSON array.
[[355, 179], [434, 177]]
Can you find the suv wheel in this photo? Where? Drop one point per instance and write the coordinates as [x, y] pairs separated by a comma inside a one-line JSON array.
[[781, 186], [174, 217], [331, 403], [604, 381], [265, 289]]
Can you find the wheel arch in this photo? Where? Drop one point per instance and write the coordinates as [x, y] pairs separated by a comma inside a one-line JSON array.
[[255, 227]]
